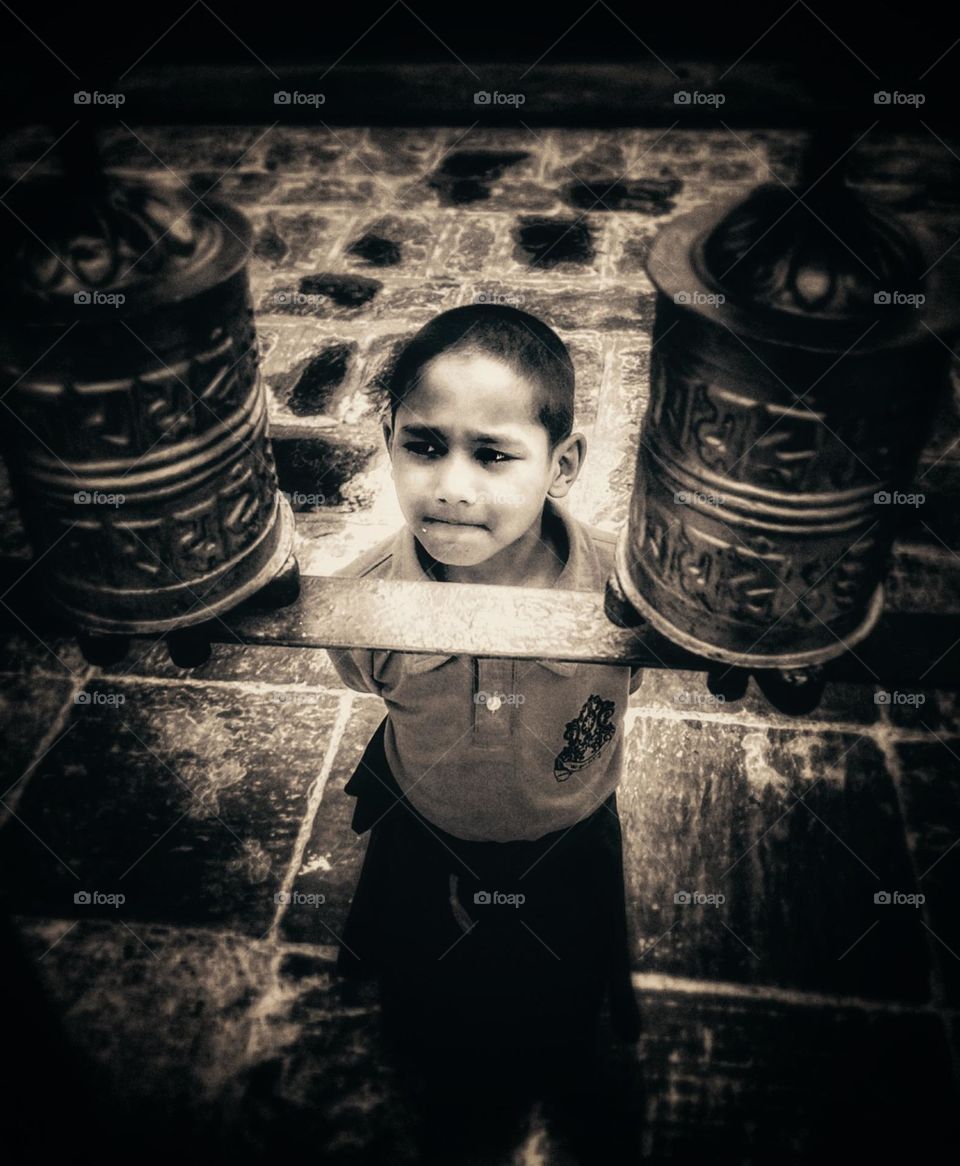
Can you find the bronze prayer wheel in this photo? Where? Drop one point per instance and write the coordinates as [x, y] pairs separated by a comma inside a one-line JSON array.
[[795, 372], [136, 437]]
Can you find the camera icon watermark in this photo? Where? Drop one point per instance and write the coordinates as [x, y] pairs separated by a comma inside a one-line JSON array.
[[898, 298], [511, 299], [696, 297], [285, 97], [100, 698], [97, 498], [698, 899], [98, 899], [484, 97], [85, 97], [898, 899], [283, 696], [498, 899], [900, 698], [298, 299], [697, 498], [299, 899], [687, 696], [96, 298], [298, 499], [695, 97], [897, 498], [884, 97], [494, 700]]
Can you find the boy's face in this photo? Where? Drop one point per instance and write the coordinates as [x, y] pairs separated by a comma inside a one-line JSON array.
[[471, 464]]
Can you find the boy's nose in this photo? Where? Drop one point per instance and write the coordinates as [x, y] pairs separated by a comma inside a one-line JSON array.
[[456, 483]]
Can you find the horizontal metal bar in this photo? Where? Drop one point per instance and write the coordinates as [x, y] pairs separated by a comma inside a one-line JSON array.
[[533, 623]]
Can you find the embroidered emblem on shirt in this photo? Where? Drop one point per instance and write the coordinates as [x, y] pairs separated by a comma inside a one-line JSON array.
[[585, 736]]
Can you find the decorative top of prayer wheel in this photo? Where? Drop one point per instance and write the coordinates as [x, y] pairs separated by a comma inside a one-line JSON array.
[[114, 246]]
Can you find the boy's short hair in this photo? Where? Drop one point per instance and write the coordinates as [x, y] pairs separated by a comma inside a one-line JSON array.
[[524, 343]]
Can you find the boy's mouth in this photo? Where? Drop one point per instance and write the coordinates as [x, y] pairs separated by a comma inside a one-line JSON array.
[[450, 522]]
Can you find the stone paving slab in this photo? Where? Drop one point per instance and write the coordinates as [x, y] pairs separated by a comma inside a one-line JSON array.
[[796, 829], [334, 853], [187, 800], [249, 1047], [929, 782], [31, 705]]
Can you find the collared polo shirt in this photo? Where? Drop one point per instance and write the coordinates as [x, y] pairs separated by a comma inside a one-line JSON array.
[[498, 749]]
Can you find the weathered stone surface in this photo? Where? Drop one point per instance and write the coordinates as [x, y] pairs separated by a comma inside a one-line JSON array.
[[930, 788], [292, 149], [289, 667], [185, 800], [30, 705], [246, 187], [251, 1045], [920, 709], [325, 468], [285, 240], [797, 830], [469, 245], [154, 147], [334, 854], [401, 242], [247, 1049], [732, 1080], [687, 693]]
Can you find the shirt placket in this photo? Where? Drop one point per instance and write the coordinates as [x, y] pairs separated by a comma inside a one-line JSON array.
[[492, 711]]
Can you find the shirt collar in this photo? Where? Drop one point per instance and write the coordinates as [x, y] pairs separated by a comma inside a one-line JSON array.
[[581, 572]]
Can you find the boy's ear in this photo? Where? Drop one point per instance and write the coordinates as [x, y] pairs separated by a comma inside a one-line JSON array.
[[387, 434], [568, 458]]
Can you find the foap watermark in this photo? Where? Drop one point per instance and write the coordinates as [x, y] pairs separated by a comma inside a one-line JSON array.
[[99, 298], [493, 700], [501, 499], [899, 298], [688, 696], [285, 97], [100, 698], [484, 97], [511, 299], [287, 697], [299, 899], [298, 299], [698, 899], [898, 899], [893, 697], [98, 899], [697, 297], [695, 97], [697, 498], [98, 498], [498, 899], [896, 498], [885, 97], [85, 97], [297, 499]]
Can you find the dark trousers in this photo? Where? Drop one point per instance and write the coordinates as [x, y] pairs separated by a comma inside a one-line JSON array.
[[487, 942]]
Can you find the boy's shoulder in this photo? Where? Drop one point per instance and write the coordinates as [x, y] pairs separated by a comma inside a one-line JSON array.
[[375, 562], [603, 543]]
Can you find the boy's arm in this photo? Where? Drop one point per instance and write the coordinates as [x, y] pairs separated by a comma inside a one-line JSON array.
[[354, 666]]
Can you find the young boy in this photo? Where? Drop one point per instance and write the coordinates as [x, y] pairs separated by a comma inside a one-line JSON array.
[[491, 893]]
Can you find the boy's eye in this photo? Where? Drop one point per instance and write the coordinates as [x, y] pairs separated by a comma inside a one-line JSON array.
[[420, 448], [488, 456]]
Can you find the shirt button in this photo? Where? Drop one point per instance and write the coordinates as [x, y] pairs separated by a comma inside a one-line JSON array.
[[493, 703]]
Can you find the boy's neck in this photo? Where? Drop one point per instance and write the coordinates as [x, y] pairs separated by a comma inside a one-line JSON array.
[[536, 559]]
